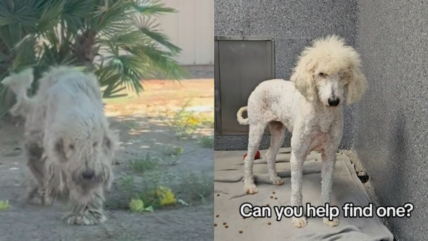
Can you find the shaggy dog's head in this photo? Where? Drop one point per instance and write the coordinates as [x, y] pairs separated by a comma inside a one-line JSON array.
[[88, 159], [327, 70]]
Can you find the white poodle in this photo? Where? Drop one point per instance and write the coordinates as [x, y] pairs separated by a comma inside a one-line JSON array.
[[310, 106], [70, 147]]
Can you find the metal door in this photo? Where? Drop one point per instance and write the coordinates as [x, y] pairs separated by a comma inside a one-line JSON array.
[[241, 63]]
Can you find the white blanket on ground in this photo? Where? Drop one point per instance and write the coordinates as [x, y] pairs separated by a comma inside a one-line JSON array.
[[229, 188]]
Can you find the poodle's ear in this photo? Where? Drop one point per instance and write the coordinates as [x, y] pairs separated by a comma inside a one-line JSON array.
[[357, 85], [303, 78], [110, 144], [111, 141]]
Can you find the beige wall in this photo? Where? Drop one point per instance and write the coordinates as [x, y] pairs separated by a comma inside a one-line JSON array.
[[192, 29]]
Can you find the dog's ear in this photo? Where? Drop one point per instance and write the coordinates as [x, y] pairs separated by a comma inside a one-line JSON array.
[[303, 77], [357, 85], [111, 141]]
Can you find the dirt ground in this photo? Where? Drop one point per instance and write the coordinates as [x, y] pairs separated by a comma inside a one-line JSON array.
[[141, 122]]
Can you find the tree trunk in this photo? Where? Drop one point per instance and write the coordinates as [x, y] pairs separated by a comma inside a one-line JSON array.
[[83, 48]]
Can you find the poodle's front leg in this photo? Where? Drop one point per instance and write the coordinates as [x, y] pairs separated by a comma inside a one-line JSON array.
[[37, 165], [296, 163], [87, 209], [328, 163]]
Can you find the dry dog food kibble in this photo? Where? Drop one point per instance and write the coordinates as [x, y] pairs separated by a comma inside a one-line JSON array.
[[218, 195], [273, 192], [217, 216], [276, 198], [224, 223], [269, 223], [271, 197], [226, 226], [215, 225], [240, 231]]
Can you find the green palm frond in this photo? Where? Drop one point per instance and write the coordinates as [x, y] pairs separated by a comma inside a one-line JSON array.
[[149, 8], [50, 16], [110, 12], [122, 33], [148, 27]]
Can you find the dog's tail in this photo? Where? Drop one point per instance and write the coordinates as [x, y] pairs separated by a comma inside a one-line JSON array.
[[19, 83], [241, 120]]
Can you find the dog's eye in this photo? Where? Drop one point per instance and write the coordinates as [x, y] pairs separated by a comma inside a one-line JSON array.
[[322, 74], [95, 144], [71, 146]]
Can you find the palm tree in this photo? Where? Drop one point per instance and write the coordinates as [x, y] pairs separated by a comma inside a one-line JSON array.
[[117, 39]]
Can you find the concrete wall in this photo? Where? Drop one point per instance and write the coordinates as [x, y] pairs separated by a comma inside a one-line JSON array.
[[391, 121], [293, 24]]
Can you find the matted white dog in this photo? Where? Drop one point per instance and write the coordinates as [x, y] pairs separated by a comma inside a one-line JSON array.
[[69, 145], [310, 106]]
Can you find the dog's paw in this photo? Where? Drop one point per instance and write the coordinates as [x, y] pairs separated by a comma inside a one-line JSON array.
[[267, 154], [299, 222], [90, 217], [47, 200], [35, 196], [276, 180], [332, 223], [250, 188]]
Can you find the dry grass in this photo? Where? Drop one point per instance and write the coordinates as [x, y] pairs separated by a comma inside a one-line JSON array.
[[165, 105]]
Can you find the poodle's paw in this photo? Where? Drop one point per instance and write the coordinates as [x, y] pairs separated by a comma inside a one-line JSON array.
[[250, 188], [332, 223], [36, 196], [276, 180], [267, 154], [33, 196], [90, 217], [299, 222], [47, 200]]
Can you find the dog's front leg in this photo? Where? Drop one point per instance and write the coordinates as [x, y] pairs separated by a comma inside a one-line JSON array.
[[87, 209], [296, 163], [328, 163]]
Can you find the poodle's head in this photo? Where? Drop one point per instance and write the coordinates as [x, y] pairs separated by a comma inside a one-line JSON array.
[[327, 70], [88, 158]]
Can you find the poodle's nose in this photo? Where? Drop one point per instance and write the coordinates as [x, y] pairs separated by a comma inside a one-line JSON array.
[[333, 101], [88, 174]]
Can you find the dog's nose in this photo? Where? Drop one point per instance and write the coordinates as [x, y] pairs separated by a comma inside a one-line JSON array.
[[333, 102], [88, 174]]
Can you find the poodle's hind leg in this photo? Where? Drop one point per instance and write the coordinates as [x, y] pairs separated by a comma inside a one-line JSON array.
[[277, 131], [254, 138], [87, 209]]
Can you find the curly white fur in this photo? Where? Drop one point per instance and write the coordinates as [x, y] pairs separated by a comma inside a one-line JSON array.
[[310, 106], [67, 138]]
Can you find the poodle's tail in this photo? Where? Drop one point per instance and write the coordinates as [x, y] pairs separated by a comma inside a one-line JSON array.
[[19, 83], [241, 120]]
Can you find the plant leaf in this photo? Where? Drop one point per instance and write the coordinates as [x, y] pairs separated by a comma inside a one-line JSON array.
[[149, 209]]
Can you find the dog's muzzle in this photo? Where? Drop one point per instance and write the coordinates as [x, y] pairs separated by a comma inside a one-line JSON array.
[[333, 101]]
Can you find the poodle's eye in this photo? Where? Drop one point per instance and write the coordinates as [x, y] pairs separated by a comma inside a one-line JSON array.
[[95, 144], [322, 74], [71, 146]]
